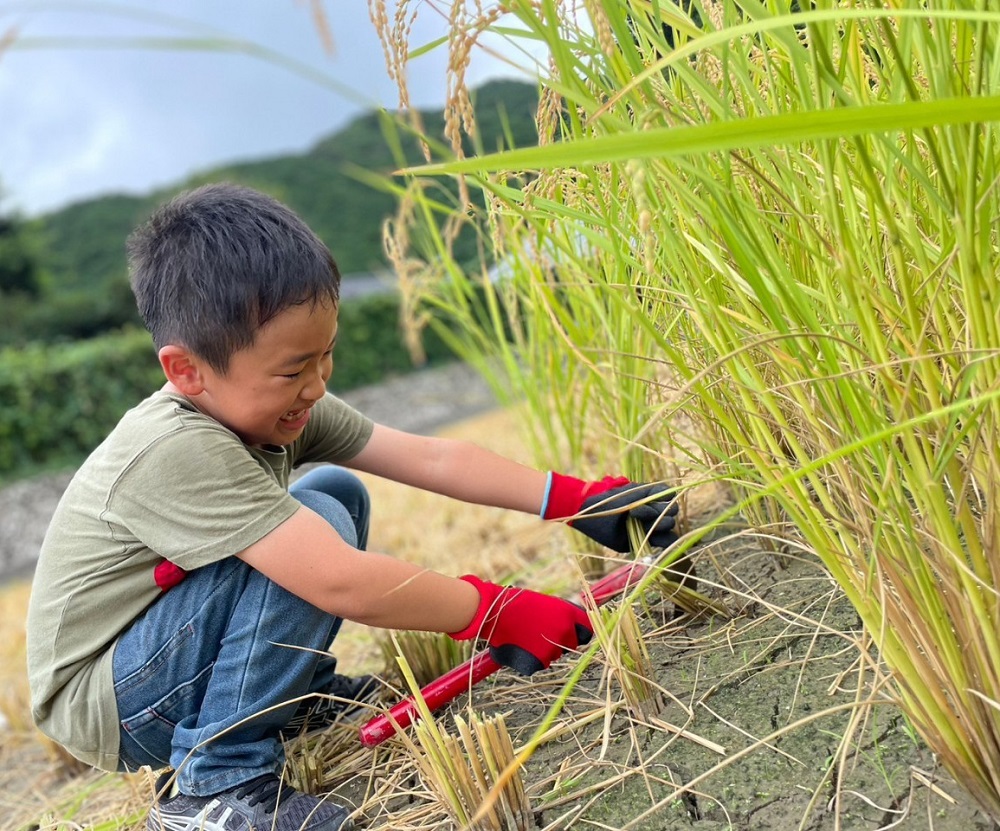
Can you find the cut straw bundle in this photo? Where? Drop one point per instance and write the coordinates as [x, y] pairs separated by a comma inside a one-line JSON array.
[[466, 774], [474, 777]]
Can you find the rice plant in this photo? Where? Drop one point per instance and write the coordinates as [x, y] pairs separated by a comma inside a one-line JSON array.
[[465, 772], [757, 241], [629, 665], [312, 760]]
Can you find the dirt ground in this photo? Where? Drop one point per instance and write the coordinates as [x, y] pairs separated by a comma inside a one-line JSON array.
[[758, 725]]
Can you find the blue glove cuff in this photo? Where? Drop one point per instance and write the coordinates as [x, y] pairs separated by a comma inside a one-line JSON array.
[[545, 496]]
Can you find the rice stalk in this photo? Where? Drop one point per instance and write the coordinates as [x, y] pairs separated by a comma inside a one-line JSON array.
[[629, 665], [313, 762]]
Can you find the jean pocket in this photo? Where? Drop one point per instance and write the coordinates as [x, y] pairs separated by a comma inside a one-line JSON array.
[[131, 651], [152, 727]]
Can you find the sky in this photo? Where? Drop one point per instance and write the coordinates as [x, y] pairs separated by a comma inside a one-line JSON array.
[[79, 119]]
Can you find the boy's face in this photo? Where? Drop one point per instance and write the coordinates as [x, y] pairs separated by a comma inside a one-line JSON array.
[[266, 394]]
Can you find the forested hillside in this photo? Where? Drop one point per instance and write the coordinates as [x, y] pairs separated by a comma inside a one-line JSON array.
[[82, 289]]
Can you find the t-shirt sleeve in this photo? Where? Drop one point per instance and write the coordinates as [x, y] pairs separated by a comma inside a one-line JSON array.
[[336, 433], [198, 496]]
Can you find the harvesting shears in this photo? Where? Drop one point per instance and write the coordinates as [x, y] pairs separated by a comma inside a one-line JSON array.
[[453, 683]]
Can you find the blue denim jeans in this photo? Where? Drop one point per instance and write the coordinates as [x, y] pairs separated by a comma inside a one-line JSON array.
[[203, 677]]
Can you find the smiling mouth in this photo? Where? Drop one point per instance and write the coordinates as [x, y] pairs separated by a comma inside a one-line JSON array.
[[294, 416]]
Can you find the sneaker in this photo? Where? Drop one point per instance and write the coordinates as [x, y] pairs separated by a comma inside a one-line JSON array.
[[344, 696], [262, 804]]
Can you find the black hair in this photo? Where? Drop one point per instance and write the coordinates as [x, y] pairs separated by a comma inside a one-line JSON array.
[[215, 264]]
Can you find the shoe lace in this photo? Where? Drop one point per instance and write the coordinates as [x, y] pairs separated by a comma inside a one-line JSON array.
[[264, 790], [343, 695], [346, 686]]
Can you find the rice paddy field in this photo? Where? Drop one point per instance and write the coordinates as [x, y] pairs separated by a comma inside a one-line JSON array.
[[754, 254]]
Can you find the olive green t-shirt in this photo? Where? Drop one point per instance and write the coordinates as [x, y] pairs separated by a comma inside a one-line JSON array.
[[169, 485]]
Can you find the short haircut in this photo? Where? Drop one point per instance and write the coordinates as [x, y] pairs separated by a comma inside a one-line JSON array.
[[215, 264]]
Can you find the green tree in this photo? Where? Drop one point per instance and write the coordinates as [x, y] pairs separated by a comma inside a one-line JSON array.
[[20, 272]]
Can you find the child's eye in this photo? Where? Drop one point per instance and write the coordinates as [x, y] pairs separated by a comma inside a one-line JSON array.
[[327, 356]]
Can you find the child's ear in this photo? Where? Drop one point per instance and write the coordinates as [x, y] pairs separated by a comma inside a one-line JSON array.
[[182, 369]]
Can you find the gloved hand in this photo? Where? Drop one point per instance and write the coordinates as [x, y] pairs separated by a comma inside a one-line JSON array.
[[567, 496], [526, 630]]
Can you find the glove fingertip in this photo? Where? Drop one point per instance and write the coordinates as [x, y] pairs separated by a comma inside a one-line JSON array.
[[663, 538], [652, 511], [516, 658]]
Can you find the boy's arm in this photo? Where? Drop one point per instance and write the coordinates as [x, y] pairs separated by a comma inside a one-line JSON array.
[[463, 470], [459, 469], [526, 630], [308, 558]]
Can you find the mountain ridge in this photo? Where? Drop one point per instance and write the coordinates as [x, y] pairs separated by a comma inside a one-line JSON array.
[[84, 241]]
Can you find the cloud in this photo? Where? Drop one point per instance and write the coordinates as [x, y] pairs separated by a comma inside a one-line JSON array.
[[65, 133], [78, 122]]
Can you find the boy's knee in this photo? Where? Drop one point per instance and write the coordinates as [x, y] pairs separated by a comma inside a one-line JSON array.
[[333, 511], [355, 494], [338, 482], [343, 487]]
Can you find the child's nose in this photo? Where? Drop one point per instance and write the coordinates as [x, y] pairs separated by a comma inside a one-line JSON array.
[[315, 387]]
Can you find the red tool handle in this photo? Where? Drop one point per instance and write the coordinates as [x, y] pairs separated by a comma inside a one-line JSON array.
[[449, 686]]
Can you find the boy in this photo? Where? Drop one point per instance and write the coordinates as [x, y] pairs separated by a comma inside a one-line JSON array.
[[184, 591]]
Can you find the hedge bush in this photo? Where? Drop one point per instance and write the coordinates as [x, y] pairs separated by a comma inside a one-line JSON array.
[[370, 343], [59, 401]]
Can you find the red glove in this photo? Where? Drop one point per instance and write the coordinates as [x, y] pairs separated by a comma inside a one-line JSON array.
[[567, 496], [526, 630]]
